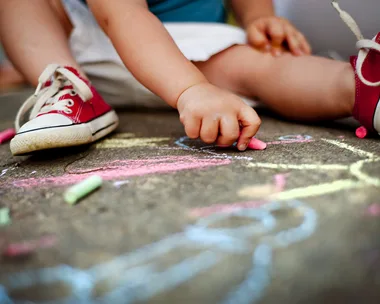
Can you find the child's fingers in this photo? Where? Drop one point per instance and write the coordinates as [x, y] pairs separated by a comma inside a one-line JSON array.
[[277, 34], [258, 38], [297, 42], [209, 130], [229, 131], [192, 126], [250, 123], [293, 43], [305, 46]]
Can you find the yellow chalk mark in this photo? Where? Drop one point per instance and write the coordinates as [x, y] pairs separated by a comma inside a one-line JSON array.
[[355, 170], [257, 191], [130, 142], [298, 167], [317, 190], [354, 150], [123, 135]]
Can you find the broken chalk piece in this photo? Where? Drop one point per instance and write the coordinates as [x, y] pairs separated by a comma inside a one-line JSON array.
[[5, 218], [76, 192], [19, 249], [361, 132], [256, 144], [28, 247], [7, 135]]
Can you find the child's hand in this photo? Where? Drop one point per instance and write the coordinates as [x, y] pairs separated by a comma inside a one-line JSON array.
[[216, 115], [271, 33]]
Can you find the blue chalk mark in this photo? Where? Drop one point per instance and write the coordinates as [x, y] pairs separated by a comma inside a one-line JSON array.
[[267, 220], [253, 287], [180, 143], [4, 299], [139, 274], [258, 279], [215, 239]]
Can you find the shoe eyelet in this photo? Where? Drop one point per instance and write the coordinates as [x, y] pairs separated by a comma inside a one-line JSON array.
[[70, 103], [73, 93], [68, 111]]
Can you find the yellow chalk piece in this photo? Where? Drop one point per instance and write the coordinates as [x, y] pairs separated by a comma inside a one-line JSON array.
[[78, 191]]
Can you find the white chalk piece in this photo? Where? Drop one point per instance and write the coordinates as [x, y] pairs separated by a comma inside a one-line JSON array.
[[78, 191]]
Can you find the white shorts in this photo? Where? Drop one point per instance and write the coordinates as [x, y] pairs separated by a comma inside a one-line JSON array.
[[99, 60]]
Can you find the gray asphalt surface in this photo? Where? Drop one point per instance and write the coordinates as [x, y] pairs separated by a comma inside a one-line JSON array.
[[179, 222]]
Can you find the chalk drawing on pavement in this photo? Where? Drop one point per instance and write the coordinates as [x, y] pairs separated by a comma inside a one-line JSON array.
[[140, 277]]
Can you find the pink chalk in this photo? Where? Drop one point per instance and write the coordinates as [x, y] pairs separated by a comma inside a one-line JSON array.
[[19, 249], [361, 132], [7, 135], [256, 144], [28, 247]]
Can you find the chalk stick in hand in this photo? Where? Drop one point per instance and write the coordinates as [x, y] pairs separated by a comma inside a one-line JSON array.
[[256, 144], [78, 191]]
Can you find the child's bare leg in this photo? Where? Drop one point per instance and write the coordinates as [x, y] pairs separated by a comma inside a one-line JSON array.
[[9, 76], [302, 88], [35, 34]]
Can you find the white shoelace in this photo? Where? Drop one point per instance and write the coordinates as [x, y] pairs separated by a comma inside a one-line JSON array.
[[364, 45], [48, 99]]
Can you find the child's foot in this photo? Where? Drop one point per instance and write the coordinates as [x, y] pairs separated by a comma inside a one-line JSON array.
[[367, 74], [65, 111]]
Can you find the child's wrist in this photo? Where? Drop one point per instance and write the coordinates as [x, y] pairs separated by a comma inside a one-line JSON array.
[[201, 82]]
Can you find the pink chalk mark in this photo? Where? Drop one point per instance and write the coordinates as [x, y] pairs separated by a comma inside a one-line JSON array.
[[285, 142], [126, 168], [280, 183], [374, 210]]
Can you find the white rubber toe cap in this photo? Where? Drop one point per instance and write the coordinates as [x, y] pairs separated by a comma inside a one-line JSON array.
[[46, 121]]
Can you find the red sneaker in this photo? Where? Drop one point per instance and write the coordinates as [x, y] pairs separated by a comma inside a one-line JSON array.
[[367, 73], [65, 111]]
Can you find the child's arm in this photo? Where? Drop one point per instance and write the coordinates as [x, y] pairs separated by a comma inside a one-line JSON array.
[[151, 55], [266, 31], [146, 48], [248, 11]]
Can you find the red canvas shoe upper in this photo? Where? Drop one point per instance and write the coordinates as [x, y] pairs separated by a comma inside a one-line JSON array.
[[367, 75], [367, 92], [62, 98]]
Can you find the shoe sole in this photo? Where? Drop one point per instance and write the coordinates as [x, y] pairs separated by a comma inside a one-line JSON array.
[[66, 136]]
